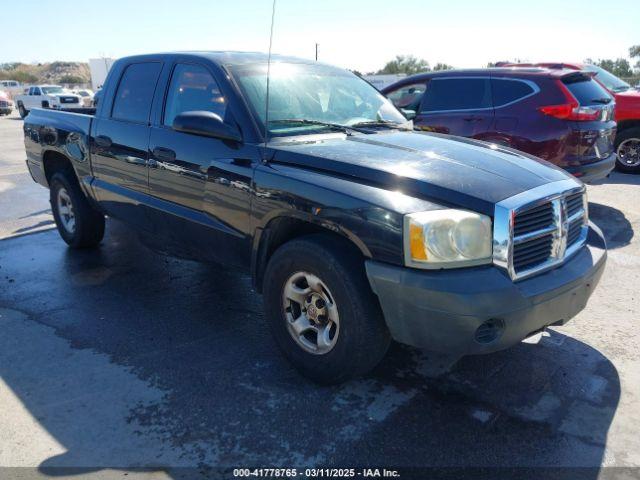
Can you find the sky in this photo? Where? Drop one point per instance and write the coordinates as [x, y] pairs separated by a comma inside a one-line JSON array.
[[355, 34]]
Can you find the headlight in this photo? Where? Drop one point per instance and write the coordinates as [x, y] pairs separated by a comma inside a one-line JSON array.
[[447, 239]]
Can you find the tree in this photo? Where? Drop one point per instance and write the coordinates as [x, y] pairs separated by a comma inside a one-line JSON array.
[[72, 79], [619, 67], [634, 52], [22, 77], [405, 64], [442, 66]]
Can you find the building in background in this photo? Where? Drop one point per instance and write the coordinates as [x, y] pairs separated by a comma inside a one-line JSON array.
[[99, 69]]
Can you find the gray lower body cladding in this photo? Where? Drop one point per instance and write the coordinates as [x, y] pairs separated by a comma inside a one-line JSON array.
[[442, 310]]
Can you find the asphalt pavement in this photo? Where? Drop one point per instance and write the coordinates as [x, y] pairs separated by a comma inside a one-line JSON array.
[[120, 360]]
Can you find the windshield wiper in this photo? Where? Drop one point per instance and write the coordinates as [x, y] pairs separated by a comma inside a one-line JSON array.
[[300, 121], [378, 123], [604, 101], [621, 88]]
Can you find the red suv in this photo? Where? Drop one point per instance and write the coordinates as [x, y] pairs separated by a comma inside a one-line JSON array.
[[627, 141], [560, 115]]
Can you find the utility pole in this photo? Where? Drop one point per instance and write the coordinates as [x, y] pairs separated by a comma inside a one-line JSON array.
[[316, 52]]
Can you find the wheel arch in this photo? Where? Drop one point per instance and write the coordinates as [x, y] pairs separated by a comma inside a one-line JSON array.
[[627, 124], [53, 162], [284, 228]]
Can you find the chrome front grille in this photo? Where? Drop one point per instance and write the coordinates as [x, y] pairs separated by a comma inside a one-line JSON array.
[[4, 104], [540, 228]]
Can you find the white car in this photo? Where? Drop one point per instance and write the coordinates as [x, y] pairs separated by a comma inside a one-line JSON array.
[[12, 87], [87, 96], [47, 96]]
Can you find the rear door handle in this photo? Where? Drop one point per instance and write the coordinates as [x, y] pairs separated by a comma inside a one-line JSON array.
[[103, 141], [164, 154]]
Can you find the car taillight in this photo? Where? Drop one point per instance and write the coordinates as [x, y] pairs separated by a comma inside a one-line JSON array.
[[572, 109]]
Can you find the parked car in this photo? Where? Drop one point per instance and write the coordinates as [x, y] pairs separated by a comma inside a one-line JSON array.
[[561, 116], [355, 228], [47, 96], [86, 96], [6, 105], [12, 87], [627, 141]]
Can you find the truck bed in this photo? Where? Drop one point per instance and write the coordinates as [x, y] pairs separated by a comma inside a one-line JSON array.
[[49, 131]]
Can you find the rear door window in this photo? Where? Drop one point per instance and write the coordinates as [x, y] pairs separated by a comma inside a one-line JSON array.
[[133, 99], [507, 91], [408, 96], [453, 94], [586, 90]]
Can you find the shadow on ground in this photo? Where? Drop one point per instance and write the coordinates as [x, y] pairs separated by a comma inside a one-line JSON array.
[[132, 360], [617, 230]]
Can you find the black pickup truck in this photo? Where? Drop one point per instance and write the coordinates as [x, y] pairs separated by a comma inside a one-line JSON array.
[[356, 229]]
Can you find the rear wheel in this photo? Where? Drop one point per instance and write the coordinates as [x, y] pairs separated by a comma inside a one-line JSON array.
[[321, 310], [79, 224], [628, 150], [22, 111]]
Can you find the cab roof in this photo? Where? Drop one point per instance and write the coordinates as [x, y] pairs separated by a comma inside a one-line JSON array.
[[230, 57]]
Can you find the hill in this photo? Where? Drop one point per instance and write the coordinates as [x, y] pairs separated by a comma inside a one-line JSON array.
[[55, 72]]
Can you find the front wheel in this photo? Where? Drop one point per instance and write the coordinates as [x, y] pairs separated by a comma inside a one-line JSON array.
[[22, 111], [628, 150], [79, 224], [321, 310]]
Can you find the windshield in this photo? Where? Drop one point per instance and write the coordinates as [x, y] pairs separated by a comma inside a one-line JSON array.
[[609, 80], [301, 94], [48, 90]]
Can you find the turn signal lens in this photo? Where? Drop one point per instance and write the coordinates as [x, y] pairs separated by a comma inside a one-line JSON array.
[[418, 247]]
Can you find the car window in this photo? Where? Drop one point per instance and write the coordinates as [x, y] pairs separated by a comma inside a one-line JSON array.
[[193, 88], [301, 94], [135, 92], [586, 91], [445, 94], [407, 96], [507, 91]]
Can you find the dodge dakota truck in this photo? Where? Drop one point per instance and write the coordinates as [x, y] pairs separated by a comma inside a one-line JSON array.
[[355, 229]]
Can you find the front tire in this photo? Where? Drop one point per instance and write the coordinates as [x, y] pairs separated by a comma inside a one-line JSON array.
[[321, 310], [628, 150], [22, 111], [79, 224]]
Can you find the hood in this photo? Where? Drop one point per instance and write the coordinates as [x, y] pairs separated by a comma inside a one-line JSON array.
[[450, 170]]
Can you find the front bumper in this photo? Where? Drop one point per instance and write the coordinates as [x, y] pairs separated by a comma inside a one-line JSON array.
[[441, 310], [6, 110], [594, 171]]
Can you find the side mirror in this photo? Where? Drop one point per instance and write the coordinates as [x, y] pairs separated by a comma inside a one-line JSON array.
[[207, 124], [409, 114]]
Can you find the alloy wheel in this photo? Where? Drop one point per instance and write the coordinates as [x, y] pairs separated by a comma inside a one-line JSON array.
[[629, 152], [65, 210], [311, 313]]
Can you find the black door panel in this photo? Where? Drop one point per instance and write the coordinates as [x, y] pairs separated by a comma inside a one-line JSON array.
[[119, 149], [208, 177]]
